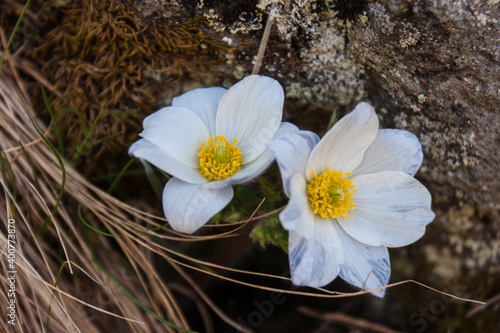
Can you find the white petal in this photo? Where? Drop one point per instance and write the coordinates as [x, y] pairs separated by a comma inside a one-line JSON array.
[[342, 148], [291, 152], [251, 111], [178, 131], [364, 266], [298, 215], [315, 262], [203, 102], [392, 209], [253, 169], [161, 159], [188, 207], [392, 150]]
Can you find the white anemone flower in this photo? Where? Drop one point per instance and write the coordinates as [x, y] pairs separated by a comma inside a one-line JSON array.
[[209, 139], [352, 195]]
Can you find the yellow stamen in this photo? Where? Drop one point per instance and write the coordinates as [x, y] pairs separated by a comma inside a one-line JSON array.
[[330, 194], [219, 159]]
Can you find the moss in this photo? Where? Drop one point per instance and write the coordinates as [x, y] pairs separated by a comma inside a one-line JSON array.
[[101, 56], [271, 232]]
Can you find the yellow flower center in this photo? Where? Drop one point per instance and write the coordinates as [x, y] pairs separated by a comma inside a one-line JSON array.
[[219, 159], [330, 194]]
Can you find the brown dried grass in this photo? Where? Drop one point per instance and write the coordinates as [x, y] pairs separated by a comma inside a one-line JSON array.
[[60, 285]]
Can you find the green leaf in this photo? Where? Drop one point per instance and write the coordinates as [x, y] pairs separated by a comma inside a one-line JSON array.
[[333, 120], [273, 192], [153, 179], [4, 165], [63, 171], [120, 175], [11, 38], [79, 211], [47, 328], [271, 232], [60, 139], [32, 166], [78, 114]]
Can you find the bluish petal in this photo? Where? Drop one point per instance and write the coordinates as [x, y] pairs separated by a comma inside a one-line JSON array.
[[298, 215], [291, 152], [364, 266], [261, 163], [188, 207], [392, 209], [316, 261]]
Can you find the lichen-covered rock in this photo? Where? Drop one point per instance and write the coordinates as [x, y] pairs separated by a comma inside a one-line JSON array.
[[433, 68]]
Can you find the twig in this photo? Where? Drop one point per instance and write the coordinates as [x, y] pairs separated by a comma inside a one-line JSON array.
[[207, 299], [264, 40], [202, 309], [346, 320], [481, 307]]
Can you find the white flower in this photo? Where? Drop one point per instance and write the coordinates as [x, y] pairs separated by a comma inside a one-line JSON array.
[[352, 195], [209, 139]]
